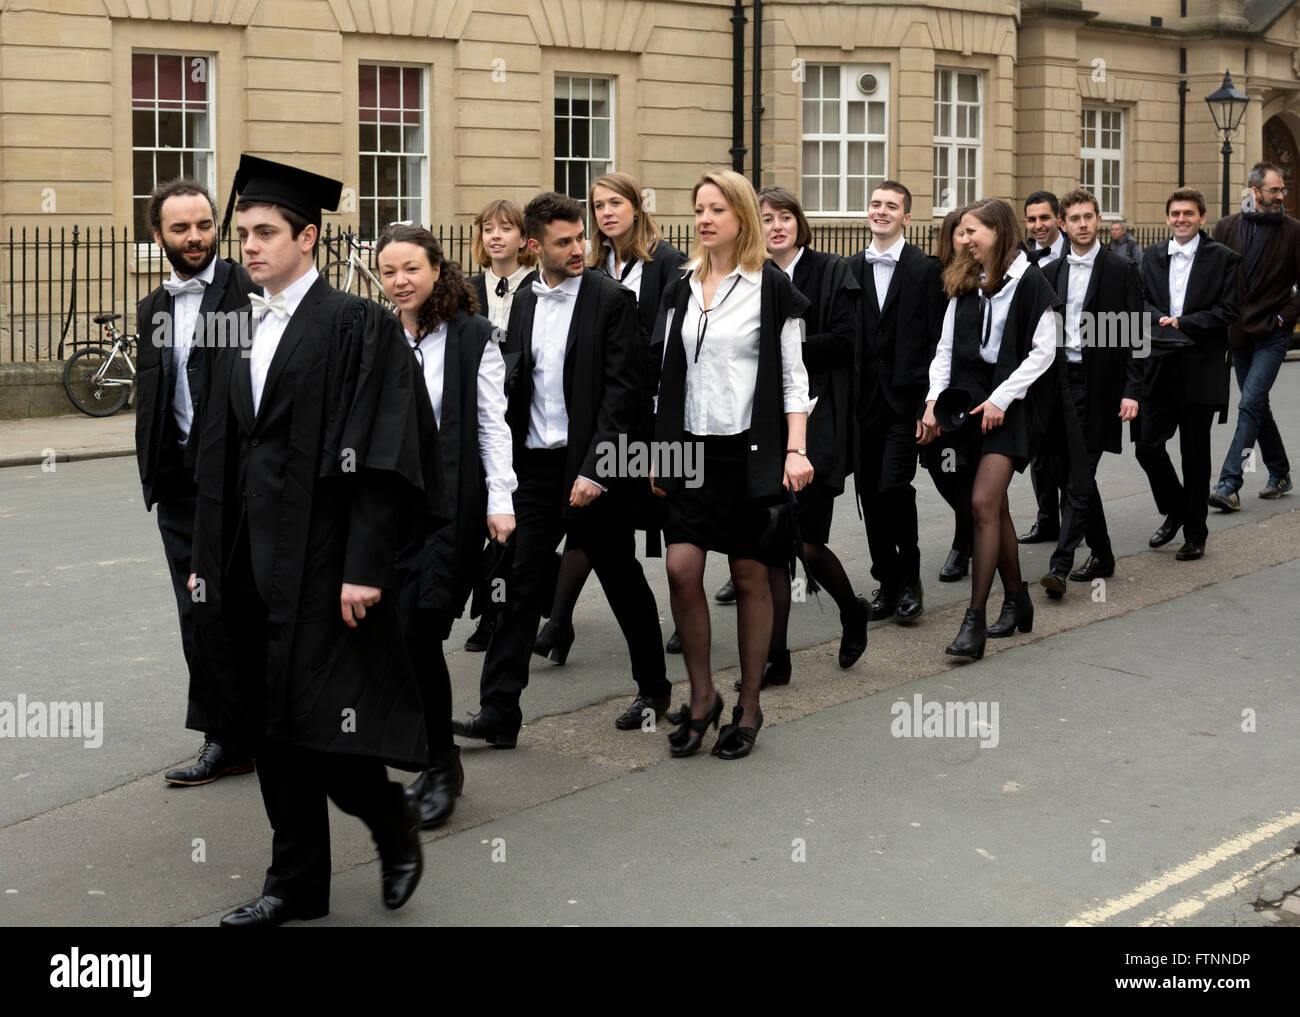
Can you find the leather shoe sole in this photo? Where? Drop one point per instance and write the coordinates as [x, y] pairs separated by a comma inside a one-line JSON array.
[[1054, 584]]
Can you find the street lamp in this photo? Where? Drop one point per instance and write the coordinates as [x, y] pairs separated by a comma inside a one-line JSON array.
[[1227, 106]]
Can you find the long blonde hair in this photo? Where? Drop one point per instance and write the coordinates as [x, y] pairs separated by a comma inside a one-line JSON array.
[[644, 236], [751, 246], [963, 274]]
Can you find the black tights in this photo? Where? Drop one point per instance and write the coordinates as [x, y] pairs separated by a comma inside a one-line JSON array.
[[575, 568], [827, 570], [995, 536]]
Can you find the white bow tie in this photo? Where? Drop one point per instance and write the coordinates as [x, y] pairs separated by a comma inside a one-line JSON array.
[[277, 305], [1079, 259], [876, 258], [175, 286], [549, 292], [1178, 250]]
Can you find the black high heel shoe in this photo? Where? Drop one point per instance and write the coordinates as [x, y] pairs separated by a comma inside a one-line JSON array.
[[686, 740], [679, 716], [972, 637], [734, 741], [1017, 613], [554, 641]]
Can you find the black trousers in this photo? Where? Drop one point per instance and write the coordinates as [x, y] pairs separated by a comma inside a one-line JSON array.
[[604, 530], [296, 782], [954, 478], [1048, 484], [425, 631], [1083, 515], [1166, 409], [177, 497], [886, 468]]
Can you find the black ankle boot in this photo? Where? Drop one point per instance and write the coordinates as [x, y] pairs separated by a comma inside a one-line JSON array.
[[970, 640], [1017, 613]]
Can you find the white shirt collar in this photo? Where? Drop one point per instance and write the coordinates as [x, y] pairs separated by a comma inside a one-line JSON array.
[[512, 280], [570, 285], [1188, 248], [1017, 268], [1090, 257], [207, 275], [789, 269], [894, 250], [1057, 246], [296, 290]]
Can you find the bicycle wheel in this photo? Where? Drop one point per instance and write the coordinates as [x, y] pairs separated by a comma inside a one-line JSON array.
[[343, 276], [93, 393]]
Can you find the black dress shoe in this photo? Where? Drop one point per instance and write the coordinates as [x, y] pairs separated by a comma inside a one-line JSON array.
[[403, 866], [1017, 613], [434, 791], [215, 760], [486, 730], [554, 641], [911, 603], [884, 602], [634, 716], [734, 741], [1040, 534], [853, 638], [267, 911], [727, 594], [1055, 582], [686, 740], [1191, 551], [1166, 532], [956, 567], [674, 644], [972, 637], [1094, 568], [776, 671], [481, 636]]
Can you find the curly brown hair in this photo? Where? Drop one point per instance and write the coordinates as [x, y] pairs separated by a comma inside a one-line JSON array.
[[450, 293]]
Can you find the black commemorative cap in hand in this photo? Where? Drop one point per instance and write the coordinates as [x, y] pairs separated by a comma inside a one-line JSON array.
[[298, 190]]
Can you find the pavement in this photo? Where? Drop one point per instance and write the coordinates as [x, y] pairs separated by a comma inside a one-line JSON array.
[[1134, 763]]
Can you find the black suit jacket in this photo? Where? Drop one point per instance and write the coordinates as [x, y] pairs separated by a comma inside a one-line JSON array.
[[1273, 293], [154, 423], [1209, 308], [600, 372], [1111, 370]]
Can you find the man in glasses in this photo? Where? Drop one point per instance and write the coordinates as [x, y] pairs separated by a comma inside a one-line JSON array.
[[1190, 283], [1268, 241]]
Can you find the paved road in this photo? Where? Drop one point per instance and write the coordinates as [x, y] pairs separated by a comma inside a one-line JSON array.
[[1123, 787]]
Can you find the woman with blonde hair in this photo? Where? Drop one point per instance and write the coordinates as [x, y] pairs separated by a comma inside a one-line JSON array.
[[733, 385], [997, 350]]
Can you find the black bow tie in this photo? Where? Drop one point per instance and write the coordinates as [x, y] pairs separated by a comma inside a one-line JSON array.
[[502, 287]]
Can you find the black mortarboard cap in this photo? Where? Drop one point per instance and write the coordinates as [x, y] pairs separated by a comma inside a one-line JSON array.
[[952, 408], [298, 190]]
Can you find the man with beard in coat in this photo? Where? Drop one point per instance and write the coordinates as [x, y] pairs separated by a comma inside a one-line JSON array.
[[311, 472], [169, 378]]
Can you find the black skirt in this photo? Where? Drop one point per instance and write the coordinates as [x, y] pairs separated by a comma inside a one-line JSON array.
[[1016, 437], [717, 515]]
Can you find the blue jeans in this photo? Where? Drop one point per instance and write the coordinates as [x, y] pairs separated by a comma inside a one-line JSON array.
[[1256, 366]]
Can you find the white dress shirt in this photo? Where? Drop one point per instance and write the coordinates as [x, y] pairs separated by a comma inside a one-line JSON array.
[[1080, 267], [1057, 250], [720, 384], [268, 329], [883, 264], [185, 313], [633, 279], [1031, 368], [1180, 270], [498, 308], [494, 444], [548, 416], [789, 269]]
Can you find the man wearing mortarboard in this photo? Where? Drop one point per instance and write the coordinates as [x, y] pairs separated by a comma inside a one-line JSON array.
[[315, 463]]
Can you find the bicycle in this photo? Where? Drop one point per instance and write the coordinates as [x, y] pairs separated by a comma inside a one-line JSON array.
[[349, 272], [99, 380]]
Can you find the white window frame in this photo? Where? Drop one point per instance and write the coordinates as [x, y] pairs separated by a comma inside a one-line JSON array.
[[208, 179], [367, 189], [1095, 124], [596, 164], [816, 144], [953, 150]]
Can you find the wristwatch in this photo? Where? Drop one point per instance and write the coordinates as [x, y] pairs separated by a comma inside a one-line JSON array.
[[797, 451]]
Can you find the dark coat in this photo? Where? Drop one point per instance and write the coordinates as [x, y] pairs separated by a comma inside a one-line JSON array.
[[1208, 310], [447, 564], [765, 468], [154, 422], [832, 292], [601, 380], [1273, 293], [326, 482], [1111, 372]]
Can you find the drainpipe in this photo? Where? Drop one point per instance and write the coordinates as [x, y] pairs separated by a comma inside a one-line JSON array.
[[738, 149], [757, 111]]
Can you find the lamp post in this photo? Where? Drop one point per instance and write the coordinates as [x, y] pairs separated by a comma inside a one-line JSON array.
[[1227, 107]]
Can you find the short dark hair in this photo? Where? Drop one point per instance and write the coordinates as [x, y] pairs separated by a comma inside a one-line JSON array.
[[897, 188], [1261, 170], [545, 209], [1038, 197], [1186, 194], [782, 200], [180, 185], [1080, 196], [296, 222]]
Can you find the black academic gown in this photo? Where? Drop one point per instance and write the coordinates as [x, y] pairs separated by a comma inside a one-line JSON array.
[[155, 427], [318, 489]]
